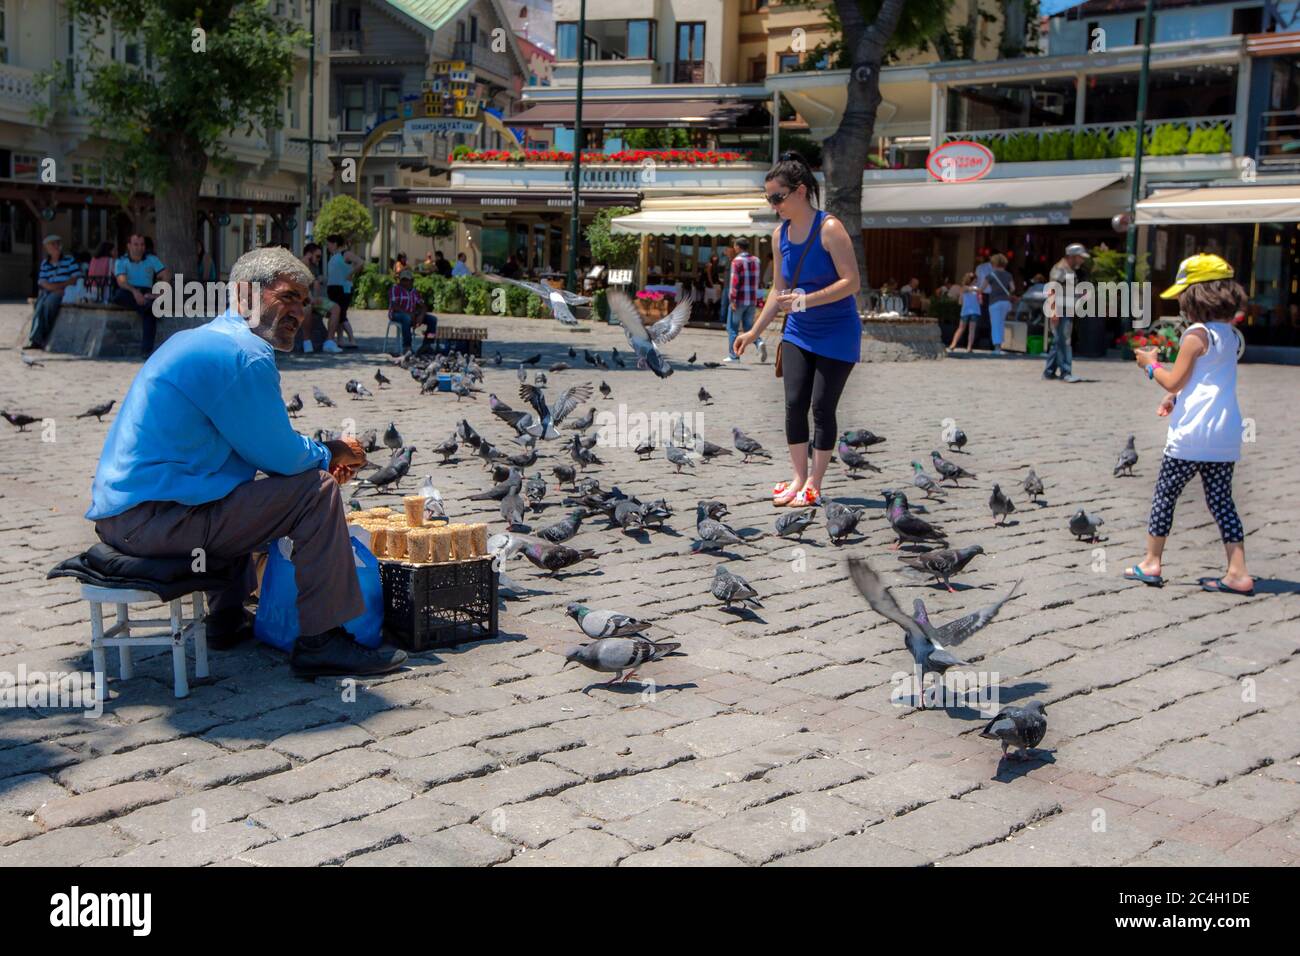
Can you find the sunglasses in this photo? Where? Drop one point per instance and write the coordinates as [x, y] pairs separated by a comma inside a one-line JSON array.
[[777, 198]]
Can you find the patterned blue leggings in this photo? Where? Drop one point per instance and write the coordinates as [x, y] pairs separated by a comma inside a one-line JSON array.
[[1216, 479]]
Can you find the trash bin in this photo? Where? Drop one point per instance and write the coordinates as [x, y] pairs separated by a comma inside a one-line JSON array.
[[1091, 335]]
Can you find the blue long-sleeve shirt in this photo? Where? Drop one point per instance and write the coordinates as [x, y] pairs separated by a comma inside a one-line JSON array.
[[203, 415]]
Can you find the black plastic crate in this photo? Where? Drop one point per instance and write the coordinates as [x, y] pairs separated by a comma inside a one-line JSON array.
[[439, 605]]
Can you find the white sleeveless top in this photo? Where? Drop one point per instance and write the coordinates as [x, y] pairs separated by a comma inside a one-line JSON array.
[[1205, 424]]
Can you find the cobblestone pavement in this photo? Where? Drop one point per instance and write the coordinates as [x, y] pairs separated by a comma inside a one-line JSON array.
[[1173, 713]]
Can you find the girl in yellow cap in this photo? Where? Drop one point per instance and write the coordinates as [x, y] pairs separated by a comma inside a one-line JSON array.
[[1204, 420]]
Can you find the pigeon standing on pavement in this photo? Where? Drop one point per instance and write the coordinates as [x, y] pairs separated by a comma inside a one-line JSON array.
[[907, 526], [392, 473], [732, 588], [855, 460], [392, 437], [614, 655], [294, 406], [19, 420], [842, 520], [448, 448], [605, 390], [1000, 505], [554, 557], [1128, 457], [562, 530], [381, 379], [1020, 727], [1033, 486], [564, 475], [747, 447], [321, 398], [1085, 525], [795, 523], [704, 396], [597, 624], [943, 563], [925, 482], [512, 508], [710, 533], [947, 470], [957, 440], [678, 458], [99, 411]]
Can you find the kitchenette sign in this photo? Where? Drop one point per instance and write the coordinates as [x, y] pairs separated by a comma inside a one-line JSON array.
[[959, 162]]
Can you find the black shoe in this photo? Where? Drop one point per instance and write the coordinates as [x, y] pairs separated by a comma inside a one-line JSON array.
[[335, 653], [228, 628]]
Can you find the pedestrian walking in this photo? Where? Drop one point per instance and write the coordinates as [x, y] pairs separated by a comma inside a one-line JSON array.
[[1059, 309], [969, 297], [999, 287], [742, 295]]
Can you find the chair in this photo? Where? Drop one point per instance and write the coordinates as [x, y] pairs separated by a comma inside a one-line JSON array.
[[109, 577], [388, 330]]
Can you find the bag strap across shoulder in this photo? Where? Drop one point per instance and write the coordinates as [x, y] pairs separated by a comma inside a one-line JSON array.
[[813, 233]]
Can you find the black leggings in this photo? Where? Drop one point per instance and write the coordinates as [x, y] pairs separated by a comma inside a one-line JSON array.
[[1216, 480], [816, 381], [341, 299]]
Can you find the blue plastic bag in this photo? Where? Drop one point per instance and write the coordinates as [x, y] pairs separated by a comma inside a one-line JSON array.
[[277, 606]]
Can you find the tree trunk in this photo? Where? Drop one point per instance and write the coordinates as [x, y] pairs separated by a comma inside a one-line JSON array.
[[845, 153], [176, 207]]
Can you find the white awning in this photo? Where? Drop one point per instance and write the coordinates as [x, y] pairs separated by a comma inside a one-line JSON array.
[[1027, 201], [1221, 204], [699, 216]]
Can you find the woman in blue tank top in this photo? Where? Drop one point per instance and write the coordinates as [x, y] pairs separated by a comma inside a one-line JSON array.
[[822, 338]]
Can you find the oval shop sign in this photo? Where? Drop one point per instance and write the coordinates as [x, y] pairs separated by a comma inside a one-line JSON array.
[[959, 162]]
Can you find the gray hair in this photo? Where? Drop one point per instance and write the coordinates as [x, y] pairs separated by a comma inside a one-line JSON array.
[[265, 266]]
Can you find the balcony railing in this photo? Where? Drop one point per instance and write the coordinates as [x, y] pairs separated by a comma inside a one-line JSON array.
[[347, 41], [690, 71], [1171, 137], [480, 57], [1279, 140], [19, 91]]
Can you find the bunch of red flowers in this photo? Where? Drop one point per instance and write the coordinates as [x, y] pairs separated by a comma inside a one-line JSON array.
[[706, 157]]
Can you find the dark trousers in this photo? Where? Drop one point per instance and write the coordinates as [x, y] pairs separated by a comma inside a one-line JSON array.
[[43, 316], [815, 381], [341, 298], [148, 321], [307, 508], [1216, 481]]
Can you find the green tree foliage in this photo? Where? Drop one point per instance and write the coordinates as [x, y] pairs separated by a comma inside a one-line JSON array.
[[666, 138], [612, 250], [805, 146], [922, 26], [344, 216], [431, 227], [206, 70]]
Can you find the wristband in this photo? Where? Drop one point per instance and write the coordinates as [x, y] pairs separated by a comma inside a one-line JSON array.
[[1151, 370]]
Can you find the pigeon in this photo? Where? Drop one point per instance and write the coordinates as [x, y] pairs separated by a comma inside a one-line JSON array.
[[467, 434], [794, 523], [540, 379], [392, 437], [842, 520], [562, 530], [564, 475], [535, 491], [646, 342], [294, 406], [678, 458], [907, 526], [947, 470], [369, 440], [957, 440], [1128, 457], [711, 534], [599, 624], [461, 390], [572, 352], [605, 390], [627, 514], [526, 460], [589, 358], [19, 420], [496, 359], [655, 513], [555, 557], [925, 642], [504, 412], [381, 379], [704, 396], [29, 361], [707, 450], [521, 374], [1021, 727], [512, 507], [855, 460], [585, 422], [1033, 486], [547, 417], [618, 654], [616, 358], [581, 455], [498, 492], [861, 438], [645, 449], [731, 588], [355, 389], [392, 473], [322, 398], [558, 367], [99, 411], [447, 448], [923, 481], [488, 453], [943, 563], [1084, 525], [1000, 505], [691, 360], [762, 352], [712, 364], [747, 447]]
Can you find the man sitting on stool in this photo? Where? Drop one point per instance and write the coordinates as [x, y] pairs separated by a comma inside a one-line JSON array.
[[202, 418]]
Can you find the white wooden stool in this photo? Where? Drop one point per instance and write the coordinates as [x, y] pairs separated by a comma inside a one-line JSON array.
[[175, 631]]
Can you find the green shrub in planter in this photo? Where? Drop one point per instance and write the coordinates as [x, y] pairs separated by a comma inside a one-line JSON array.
[[537, 309], [370, 288], [1170, 140], [944, 309], [1123, 143], [1056, 146], [428, 286], [449, 297], [1212, 139], [600, 303], [478, 300], [1094, 145], [517, 301]]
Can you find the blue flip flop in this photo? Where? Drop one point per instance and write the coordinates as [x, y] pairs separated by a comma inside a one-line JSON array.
[[1216, 584], [1137, 574]]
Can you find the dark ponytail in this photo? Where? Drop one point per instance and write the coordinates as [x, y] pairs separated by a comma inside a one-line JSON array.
[[793, 170]]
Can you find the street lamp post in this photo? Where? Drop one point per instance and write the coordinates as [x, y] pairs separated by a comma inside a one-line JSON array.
[[1130, 267], [574, 224]]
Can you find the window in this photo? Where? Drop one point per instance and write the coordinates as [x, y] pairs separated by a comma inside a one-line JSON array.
[[389, 98], [354, 107], [690, 42], [566, 41], [640, 40], [757, 70], [1046, 102], [787, 62], [473, 29], [1203, 90]]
